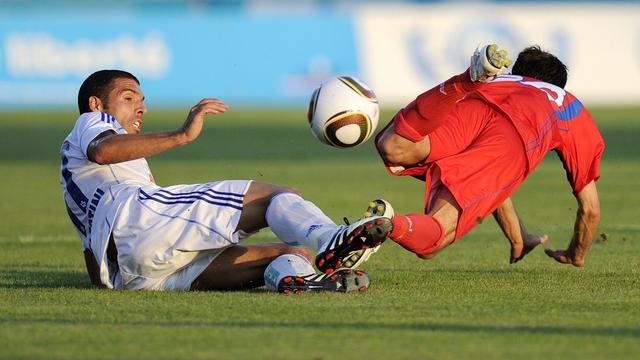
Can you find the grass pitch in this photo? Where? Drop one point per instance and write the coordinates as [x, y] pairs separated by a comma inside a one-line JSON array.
[[468, 302]]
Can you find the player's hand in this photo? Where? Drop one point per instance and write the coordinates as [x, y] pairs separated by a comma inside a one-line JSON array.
[[195, 120], [519, 250], [564, 257]]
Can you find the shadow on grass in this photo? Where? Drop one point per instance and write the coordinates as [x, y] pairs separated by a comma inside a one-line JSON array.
[[363, 326], [434, 327], [44, 279]]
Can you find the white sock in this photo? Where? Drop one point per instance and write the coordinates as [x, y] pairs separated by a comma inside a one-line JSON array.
[[297, 221], [286, 265]]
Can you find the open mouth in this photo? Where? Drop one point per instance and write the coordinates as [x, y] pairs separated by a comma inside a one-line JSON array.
[[137, 125]]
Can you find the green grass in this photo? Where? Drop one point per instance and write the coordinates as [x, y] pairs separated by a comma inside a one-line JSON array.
[[466, 303]]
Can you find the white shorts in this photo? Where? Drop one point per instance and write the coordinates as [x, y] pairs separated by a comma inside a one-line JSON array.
[[167, 236]]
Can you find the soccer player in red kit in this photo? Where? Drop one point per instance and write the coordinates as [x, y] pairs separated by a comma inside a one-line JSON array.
[[474, 143]]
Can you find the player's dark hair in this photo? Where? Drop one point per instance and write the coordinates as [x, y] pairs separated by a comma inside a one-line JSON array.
[[542, 65], [99, 84]]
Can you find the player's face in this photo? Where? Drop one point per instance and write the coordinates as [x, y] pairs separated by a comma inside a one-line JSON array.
[[126, 103]]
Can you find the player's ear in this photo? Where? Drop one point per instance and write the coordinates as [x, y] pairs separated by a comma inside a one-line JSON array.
[[95, 104]]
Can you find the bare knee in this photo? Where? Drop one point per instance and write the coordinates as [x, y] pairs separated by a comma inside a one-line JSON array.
[[428, 256], [255, 204], [396, 150], [288, 189], [260, 191]]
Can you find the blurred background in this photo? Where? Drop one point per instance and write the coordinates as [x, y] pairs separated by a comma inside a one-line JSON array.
[[274, 53]]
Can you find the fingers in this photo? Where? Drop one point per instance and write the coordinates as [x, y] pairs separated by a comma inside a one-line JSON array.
[[193, 124], [210, 101], [210, 106], [562, 257], [551, 253], [559, 255], [519, 251], [543, 238]]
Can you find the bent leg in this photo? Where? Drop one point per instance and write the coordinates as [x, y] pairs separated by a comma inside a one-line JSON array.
[[242, 267], [447, 211], [427, 234], [297, 221], [256, 202], [292, 219]]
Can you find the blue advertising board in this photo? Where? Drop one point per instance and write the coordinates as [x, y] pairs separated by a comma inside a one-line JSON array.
[[244, 59]]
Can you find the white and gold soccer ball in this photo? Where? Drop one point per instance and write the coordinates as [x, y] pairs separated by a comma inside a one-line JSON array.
[[343, 112]]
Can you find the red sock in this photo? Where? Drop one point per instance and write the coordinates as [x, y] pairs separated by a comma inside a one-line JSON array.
[[418, 233]]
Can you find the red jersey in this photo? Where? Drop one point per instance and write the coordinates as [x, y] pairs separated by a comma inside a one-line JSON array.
[[430, 109], [548, 118], [486, 138]]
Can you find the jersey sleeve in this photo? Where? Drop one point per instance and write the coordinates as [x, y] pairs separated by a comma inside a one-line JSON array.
[[430, 109], [581, 153], [90, 125]]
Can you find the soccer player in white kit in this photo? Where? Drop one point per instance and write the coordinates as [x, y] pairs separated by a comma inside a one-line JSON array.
[[138, 235]]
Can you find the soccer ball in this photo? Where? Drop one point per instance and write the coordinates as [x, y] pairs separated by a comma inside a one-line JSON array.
[[343, 112]]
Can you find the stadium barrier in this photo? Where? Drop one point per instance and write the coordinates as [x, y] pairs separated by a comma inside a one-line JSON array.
[[276, 58]]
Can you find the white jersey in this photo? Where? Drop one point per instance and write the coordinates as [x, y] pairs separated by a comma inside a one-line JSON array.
[[165, 237], [85, 182]]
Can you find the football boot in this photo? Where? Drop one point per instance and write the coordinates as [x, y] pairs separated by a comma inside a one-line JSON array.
[[341, 280], [353, 244], [379, 207]]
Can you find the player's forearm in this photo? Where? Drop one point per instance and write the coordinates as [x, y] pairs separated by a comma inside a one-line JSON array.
[[584, 231], [508, 220], [124, 147], [586, 225]]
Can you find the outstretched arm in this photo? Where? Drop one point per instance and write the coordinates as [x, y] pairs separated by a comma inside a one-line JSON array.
[[584, 230], [113, 148], [521, 241]]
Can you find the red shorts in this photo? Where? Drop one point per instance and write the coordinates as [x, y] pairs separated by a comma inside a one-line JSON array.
[[478, 156], [480, 159]]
